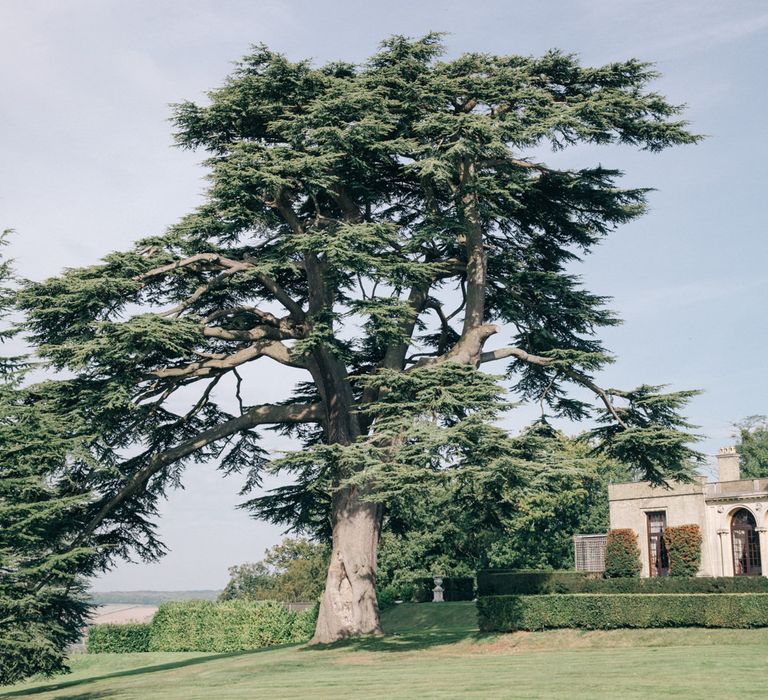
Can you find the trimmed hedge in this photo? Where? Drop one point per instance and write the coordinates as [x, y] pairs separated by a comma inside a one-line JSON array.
[[204, 625], [529, 582], [598, 611], [118, 639], [684, 549], [455, 588], [235, 625], [622, 554], [511, 582]]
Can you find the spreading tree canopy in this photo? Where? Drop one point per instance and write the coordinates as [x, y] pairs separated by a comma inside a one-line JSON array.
[[386, 231]]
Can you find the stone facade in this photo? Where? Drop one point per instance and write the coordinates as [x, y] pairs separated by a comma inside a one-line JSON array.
[[732, 514]]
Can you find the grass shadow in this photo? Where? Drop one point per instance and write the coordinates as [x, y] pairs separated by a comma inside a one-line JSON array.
[[51, 687], [397, 642], [416, 626]]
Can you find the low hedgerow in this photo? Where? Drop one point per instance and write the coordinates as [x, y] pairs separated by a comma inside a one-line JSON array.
[[529, 582], [510, 582], [599, 611], [235, 625], [118, 639]]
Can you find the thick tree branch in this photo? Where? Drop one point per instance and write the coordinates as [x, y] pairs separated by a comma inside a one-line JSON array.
[[258, 333], [474, 314], [263, 316], [352, 212], [519, 353], [574, 375], [258, 415], [292, 307], [231, 267], [214, 258], [221, 363]]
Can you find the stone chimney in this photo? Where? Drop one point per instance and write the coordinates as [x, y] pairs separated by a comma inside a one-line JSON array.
[[728, 464]]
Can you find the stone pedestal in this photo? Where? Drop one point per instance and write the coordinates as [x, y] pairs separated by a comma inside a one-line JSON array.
[[438, 590]]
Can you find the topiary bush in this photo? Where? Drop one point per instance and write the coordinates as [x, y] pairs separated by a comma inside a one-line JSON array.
[[235, 625], [684, 549], [599, 611], [622, 554], [118, 639]]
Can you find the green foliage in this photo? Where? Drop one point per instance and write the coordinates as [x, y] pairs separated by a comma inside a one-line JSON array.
[[456, 588], [622, 554], [492, 582], [304, 624], [128, 638], [684, 546], [523, 517], [42, 601], [518, 582], [234, 625], [598, 611], [752, 447], [292, 571], [371, 225]]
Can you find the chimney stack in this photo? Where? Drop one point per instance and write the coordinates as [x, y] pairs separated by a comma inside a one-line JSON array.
[[728, 464]]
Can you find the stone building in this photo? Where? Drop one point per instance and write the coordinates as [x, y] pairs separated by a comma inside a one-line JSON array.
[[732, 514]]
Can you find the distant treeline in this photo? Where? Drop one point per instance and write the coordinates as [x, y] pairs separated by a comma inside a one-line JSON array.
[[149, 597]]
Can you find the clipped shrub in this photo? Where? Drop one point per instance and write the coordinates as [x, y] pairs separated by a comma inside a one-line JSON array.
[[456, 588], [684, 549], [600, 611], [118, 639], [513, 582], [529, 582], [622, 554], [235, 625]]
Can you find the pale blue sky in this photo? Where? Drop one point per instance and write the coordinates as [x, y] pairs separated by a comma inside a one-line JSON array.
[[87, 166]]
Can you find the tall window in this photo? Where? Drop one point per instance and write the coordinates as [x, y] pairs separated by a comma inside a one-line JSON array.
[[658, 560], [746, 544]]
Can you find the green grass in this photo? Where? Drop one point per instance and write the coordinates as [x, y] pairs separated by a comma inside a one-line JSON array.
[[434, 651]]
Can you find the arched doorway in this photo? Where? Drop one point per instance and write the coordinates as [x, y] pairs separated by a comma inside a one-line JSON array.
[[746, 544]]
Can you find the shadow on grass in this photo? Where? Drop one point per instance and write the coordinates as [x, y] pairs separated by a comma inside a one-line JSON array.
[[51, 687], [92, 696], [395, 642]]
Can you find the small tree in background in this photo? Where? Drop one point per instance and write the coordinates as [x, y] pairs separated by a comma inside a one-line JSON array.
[[291, 571], [455, 528], [684, 547], [622, 555], [752, 446]]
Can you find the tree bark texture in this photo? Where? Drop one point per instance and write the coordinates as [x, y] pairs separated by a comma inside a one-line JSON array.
[[348, 607]]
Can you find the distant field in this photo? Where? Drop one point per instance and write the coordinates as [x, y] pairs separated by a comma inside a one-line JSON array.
[[149, 597], [118, 613], [435, 651]]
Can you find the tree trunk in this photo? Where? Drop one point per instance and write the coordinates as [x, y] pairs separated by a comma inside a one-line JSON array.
[[348, 607]]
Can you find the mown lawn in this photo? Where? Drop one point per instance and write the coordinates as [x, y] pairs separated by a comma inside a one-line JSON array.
[[434, 651]]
